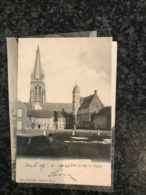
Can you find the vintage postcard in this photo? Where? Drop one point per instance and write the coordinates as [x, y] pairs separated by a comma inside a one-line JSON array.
[[12, 53], [64, 111]]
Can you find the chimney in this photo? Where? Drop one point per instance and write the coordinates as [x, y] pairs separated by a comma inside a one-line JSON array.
[[95, 92]]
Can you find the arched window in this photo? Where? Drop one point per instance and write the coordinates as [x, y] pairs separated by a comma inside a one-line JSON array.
[[39, 90], [35, 90]]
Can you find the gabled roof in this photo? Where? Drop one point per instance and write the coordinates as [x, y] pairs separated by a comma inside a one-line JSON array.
[[81, 100], [104, 111], [86, 101], [67, 107], [42, 114]]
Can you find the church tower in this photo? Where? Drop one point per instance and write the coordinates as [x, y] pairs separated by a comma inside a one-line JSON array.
[[76, 100], [37, 91]]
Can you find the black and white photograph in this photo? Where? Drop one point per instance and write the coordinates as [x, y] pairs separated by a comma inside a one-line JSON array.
[[65, 110], [73, 101], [12, 53]]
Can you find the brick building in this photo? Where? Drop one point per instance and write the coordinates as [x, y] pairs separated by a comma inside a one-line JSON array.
[[102, 120], [90, 104]]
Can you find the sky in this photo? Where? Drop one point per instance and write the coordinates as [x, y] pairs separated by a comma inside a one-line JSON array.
[[66, 62]]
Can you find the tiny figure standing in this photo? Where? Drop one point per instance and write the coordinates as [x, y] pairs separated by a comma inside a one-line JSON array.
[[50, 138]]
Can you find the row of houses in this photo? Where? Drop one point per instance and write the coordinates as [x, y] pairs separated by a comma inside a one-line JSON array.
[[45, 119], [29, 117]]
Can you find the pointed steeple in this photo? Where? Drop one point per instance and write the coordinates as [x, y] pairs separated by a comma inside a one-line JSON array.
[[76, 89], [37, 91], [37, 73]]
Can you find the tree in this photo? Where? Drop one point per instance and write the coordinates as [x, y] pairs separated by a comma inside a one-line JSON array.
[[74, 122], [56, 120]]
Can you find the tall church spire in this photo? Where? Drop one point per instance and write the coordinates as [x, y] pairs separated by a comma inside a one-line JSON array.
[[37, 73], [37, 91]]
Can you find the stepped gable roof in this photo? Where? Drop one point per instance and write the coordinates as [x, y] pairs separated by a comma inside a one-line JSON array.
[[86, 101], [42, 114], [104, 111]]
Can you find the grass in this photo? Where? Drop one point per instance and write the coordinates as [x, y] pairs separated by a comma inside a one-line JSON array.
[[41, 147]]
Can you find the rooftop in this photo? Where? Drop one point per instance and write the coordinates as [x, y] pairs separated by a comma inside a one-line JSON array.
[[104, 111], [42, 114], [86, 101], [67, 107]]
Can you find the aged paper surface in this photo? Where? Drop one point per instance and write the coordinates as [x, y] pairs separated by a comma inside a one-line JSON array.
[[12, 53], [87, 63], [66, 164], [75, 172]]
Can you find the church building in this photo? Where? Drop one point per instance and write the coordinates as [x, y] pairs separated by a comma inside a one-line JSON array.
[[37, 91], [37, 113]]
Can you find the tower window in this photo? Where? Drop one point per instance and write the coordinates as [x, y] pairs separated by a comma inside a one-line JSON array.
[[39, 90], [35, 90]]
